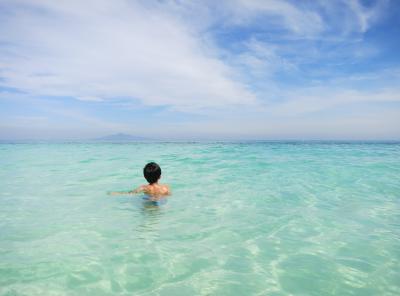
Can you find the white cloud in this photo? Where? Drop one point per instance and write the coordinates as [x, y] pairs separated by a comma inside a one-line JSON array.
[[364, 16], [110, 49], [90, 99], [283, 13], [263, 59], [319, 99], [306, 19], [149, 52]]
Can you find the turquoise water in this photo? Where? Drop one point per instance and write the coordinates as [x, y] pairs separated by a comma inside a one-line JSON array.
[[244, 219]]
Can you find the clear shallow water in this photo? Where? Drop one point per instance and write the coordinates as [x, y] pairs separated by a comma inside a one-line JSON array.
[[244, 219]]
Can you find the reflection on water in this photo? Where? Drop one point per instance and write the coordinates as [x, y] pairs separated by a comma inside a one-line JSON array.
[[151, 214]]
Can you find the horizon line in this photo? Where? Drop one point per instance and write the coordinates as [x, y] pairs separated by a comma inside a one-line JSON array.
[[186, 140]]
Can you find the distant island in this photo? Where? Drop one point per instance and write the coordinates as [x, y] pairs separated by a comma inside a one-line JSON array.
[[121, 138]]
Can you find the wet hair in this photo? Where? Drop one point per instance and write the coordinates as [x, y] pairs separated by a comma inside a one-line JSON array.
[[152, 172]]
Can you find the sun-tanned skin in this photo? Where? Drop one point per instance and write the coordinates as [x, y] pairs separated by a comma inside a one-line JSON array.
[[154, 190]]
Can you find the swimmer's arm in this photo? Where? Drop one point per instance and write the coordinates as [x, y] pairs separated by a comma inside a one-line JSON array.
[[122, 192], [135, 191]]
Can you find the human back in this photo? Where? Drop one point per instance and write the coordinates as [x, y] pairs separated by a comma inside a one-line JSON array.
[[154, 190]]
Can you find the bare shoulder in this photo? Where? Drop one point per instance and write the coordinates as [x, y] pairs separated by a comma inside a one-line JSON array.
[[166, 188]]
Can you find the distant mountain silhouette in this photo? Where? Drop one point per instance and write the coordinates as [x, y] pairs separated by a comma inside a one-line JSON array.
[[121, 138]]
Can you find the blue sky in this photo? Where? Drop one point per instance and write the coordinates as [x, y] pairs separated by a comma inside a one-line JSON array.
[[239, 69]]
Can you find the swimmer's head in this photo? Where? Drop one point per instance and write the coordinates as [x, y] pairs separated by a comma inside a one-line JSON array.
[[152, 172]]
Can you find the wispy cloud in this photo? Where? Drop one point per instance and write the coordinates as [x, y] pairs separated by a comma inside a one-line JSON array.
[[279, 14], [310, 101], [366, 16], [106, 51]]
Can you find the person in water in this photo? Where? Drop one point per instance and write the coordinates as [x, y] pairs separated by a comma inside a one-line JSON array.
[[152, 173]]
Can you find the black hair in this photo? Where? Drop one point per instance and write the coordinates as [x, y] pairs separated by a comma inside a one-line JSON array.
[[152, 172]]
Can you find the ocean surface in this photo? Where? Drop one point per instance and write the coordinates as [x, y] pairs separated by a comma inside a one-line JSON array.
[[257, 218]]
